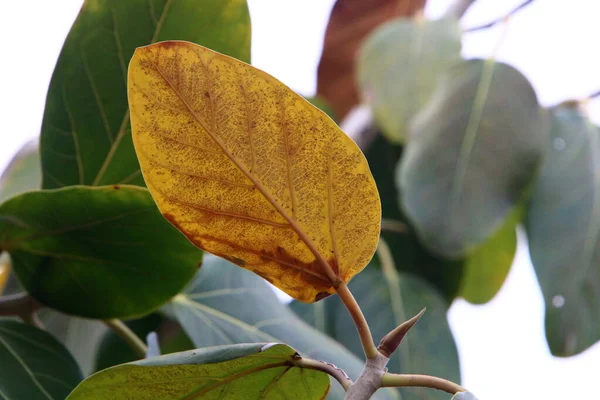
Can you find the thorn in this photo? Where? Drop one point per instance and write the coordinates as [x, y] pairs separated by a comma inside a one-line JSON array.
[[391, 341]]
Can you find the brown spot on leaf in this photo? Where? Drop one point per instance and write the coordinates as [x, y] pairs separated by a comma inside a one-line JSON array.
[[116, 187]]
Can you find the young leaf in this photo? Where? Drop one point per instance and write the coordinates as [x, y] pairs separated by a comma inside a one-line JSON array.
[[563, 228], [33, 365], [472, 155], [399, 66], [251, 171], [85, 135], [240, 371], [95, 252], [23, 172], [351, 21], [387, 301], [225, 304]]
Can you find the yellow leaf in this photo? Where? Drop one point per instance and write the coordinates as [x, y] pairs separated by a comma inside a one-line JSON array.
[[250, 171]]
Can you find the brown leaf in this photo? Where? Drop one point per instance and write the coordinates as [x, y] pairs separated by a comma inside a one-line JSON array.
[[349, 24]]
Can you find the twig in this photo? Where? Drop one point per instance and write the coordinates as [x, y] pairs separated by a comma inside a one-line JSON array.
[[594, 95], [402, 380], [358, 317], [392, 225], [337, 373], [20, 304], [128, 336], [501, 19]]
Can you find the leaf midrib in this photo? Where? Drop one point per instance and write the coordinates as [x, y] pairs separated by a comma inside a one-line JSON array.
[[334, 279]]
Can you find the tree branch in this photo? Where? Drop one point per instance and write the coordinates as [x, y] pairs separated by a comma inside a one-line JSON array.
[[501, 19], [337, 373], [128, 336], [369, 380], [402, 380], [20, 304]]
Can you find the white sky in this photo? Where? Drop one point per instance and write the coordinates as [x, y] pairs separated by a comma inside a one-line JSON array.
[[553, 42]]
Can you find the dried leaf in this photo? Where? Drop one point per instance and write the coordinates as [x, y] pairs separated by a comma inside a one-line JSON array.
[[251, 171], [350, 22]]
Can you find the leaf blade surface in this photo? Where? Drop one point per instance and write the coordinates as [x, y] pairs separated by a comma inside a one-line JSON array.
[[284, 192]]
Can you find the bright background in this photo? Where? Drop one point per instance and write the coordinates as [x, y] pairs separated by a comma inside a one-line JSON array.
[[553, 42]]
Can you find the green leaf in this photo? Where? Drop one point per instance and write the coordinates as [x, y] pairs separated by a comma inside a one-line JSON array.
[[563, 227], [226, 304], [243, 371], [473, 153], [409, 253], [486, 269], [388, 299], [34, 365], [399, 66], [101, 252], [23, 172], [113, 350], [464, 396], [86, 135]]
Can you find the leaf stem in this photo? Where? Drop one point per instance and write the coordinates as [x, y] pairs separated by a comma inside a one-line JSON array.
[[358, 317], [20, 304], [128, 336], [403, 380], [501, 19], [330, 369], [392, 225]]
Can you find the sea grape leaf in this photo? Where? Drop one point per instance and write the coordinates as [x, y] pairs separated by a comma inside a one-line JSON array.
[[410, 255], [387, 299], [486, 268], [96, 252], [34, 365], [239, 371], [23, 173], [477, 277], [399, 65], [251, 171], [472, 155], [225, 304], [86, 136], [350, 22], [563, 228]]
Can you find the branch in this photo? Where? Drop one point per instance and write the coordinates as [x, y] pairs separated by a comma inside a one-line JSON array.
[[128, 336], [366, 339], [20, 304], [402, 380], [501, 19], [594, 95], [369, 380], [337, 373]]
